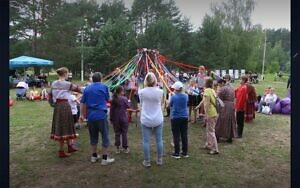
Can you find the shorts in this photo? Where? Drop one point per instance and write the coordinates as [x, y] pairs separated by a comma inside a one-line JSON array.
[[99, 126]]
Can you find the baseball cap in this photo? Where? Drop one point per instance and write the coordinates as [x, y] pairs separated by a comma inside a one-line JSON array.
[[177, 85]]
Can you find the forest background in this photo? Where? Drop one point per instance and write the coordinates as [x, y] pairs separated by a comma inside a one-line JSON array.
[[107, 34]]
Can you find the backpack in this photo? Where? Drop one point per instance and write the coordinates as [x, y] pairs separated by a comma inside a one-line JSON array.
[[219, 105]]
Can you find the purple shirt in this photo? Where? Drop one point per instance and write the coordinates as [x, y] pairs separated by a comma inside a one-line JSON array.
[[118, 114]]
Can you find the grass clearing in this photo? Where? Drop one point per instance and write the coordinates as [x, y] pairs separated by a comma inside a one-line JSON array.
[[261, 159]]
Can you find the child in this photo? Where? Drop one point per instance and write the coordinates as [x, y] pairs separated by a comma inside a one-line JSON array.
[[167, 102], [131, 92], [193, 93], [34, 94], [44, 93], [179, 120], [119, 119], [73, 101], [78, 98], [262, 101]]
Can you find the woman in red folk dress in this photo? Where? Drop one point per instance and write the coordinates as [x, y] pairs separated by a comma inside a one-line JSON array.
[[250, 107], [63, 122]]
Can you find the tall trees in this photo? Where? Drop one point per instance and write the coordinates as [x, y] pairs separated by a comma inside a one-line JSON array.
[[227, 38], [184, 28], [111, 33], [63, 39], [208, 45], [236, 13], [164, 36], [146, 12], [28, 20], [112, 10], [116, 45]]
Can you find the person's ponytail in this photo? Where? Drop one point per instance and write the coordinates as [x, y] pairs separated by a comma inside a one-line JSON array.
[[115, 98]]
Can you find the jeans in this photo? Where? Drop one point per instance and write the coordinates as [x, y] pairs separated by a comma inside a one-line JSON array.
[[180, 130], [146, 134], [272, 104]]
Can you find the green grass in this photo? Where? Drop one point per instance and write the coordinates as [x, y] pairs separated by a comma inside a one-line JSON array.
[[261, 159]]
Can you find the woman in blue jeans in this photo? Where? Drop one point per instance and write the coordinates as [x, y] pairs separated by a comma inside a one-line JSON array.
[[151, 118]]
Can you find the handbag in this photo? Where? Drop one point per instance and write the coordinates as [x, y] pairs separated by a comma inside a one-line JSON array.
[[266, 109], [219, 104]]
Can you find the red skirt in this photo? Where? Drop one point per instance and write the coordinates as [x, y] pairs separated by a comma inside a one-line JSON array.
[[250, 112]]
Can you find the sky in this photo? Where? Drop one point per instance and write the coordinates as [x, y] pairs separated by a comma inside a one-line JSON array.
[[269, 13]]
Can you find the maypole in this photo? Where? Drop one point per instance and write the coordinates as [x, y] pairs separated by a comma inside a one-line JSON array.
[[160, 76]]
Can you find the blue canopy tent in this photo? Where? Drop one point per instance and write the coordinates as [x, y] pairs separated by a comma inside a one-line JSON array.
[[25, 61]]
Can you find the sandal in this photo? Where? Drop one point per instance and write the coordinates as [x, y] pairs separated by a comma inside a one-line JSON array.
[[205, 148]]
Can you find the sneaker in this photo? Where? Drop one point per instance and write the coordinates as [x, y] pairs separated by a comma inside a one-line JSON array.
[[213, 152], [108, 161], [77, 126], [95, 159], [159, 162], [185, 155], [118, 150], [172, 144], [125, 150], [146, 164], [176, 156]]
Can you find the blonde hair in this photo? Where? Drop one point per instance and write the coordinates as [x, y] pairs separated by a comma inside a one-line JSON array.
[[192, 82], [150, 80]]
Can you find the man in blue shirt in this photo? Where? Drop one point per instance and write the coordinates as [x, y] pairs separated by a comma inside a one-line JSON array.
[[93, 106]]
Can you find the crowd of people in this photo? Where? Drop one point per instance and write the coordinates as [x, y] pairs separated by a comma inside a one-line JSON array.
[[183, 104], [23, 91]]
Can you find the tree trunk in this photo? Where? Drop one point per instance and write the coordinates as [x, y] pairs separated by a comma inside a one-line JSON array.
[[141, 25], [34, 39]]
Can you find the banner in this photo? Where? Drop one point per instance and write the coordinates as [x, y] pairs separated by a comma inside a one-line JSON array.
[[223, 73], [236, 74], [243, 72], [230, 72]]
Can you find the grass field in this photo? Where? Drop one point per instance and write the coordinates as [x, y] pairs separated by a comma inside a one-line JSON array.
[[261, 159]]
